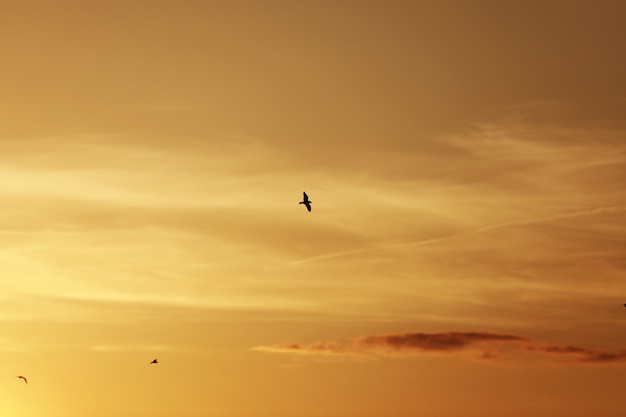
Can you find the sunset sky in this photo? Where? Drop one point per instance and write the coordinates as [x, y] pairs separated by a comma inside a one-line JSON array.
[[466, 251]]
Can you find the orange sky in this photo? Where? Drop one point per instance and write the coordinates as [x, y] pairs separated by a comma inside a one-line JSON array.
[[465, 255]]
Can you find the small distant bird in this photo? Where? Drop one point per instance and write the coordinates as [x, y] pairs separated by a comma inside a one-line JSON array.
[[306, 201], [154, 361], [22, 377]]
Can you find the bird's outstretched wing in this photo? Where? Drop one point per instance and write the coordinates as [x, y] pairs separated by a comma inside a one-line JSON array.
[[22, 377], [306, 201]]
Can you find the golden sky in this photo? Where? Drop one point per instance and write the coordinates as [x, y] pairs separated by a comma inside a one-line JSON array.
[[466, 251]]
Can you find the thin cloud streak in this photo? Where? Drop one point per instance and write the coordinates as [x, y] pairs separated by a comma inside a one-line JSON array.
[[589, 212], [545, 219], [134, 348]]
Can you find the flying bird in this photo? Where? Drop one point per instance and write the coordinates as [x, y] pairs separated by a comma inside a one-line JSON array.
[[306, 201], [154, 361], [22, 377]]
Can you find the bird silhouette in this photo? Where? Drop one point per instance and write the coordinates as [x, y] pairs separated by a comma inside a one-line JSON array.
[[22, 377], [154, 361], [306, 201]]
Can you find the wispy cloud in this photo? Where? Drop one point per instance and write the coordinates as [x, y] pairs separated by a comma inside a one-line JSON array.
[[483, 345], [212, 220], [521, 171]]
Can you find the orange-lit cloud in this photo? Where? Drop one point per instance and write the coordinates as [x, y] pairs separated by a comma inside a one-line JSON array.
[[400, 343], [487, 346]]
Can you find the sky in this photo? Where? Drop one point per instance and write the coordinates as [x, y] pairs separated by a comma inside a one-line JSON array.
[[466, 250]]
